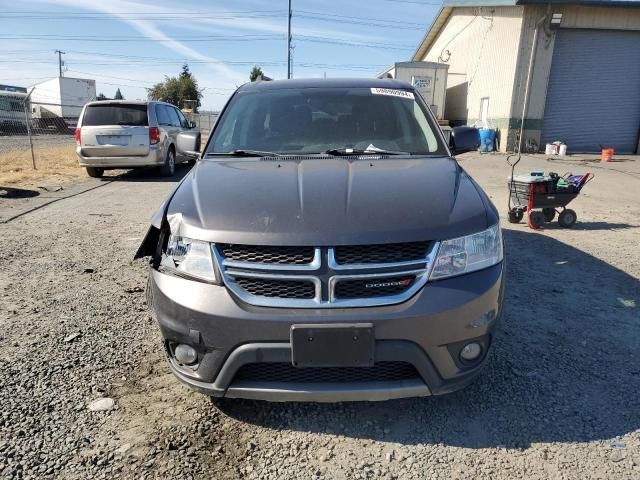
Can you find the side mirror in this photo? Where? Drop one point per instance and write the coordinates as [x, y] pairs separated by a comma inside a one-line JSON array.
[[189, 143], [192, 124], [464, 139]]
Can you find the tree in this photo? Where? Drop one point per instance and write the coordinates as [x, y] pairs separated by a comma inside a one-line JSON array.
[[256, 74], [185, 73], [101, 96], [118, 95], [181, 91]]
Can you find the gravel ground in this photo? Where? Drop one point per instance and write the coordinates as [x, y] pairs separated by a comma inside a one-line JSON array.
[[558, 399]]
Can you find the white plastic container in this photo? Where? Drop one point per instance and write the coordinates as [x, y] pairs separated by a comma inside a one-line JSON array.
[[550, 149], [563, 150]]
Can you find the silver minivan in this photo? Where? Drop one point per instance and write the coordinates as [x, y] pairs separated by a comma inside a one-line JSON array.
[[130, 134]]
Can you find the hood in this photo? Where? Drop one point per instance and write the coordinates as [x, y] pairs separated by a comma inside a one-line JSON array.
[[326, 202]]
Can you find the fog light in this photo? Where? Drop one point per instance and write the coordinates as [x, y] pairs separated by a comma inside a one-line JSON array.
[[470, 351], [185, 354]]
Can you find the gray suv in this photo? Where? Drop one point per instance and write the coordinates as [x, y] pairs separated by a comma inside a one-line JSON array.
[[326, 247], [125, 134]]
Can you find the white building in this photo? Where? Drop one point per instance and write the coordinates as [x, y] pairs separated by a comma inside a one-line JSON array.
[[575, 64]]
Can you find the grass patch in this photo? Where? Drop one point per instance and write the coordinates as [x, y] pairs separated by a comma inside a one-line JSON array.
[[56, 164]]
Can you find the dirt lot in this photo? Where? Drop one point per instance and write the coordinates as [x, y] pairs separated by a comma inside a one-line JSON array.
[[558, 399]]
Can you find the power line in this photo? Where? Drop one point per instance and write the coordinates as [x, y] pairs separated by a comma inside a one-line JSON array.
[[141, 81], [26, 78], [141, 15], [177, 15], [340, 41], [138, 57], [169, 12], [379, 23], [209, 38], [134, 38], [128, 85], [25, 50], [401, 23], [171, 61], [320, 16], [328, 66]]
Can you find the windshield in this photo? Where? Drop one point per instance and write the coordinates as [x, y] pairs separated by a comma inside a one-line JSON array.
[[115, 114], [315, 120]]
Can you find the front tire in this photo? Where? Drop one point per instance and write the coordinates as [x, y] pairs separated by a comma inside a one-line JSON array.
[[536, 218], [95, 172], [169, 167], [567, 218]]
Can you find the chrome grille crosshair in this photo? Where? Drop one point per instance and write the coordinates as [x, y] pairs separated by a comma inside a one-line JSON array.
[[349, 276]]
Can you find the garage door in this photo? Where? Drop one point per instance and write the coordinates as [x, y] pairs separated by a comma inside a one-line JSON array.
[[593, 97]]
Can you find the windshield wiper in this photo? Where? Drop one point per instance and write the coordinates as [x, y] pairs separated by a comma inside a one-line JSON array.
[[243, 153], [340, 152]]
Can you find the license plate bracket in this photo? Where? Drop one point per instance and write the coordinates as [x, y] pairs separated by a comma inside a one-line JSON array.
[[333, 345], [113, 140]]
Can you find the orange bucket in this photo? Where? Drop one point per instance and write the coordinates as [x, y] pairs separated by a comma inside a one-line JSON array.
[[607, 155]]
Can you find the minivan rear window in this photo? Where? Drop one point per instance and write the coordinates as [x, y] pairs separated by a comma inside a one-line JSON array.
[[115, 114]]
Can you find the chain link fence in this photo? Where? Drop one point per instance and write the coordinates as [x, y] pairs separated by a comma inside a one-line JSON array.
[[35, 136]]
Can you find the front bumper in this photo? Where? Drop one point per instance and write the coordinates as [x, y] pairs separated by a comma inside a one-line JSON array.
[[427, 331], [153, 158]]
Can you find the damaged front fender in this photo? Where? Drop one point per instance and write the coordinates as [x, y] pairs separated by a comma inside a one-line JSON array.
[[149, 245]]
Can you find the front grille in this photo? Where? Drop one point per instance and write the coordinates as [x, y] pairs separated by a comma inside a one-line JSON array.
[[267, 254], [274, 288], [373, 287], [285, 372], [319, 277], [383, 253]]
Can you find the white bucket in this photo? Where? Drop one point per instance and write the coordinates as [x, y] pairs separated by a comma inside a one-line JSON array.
[[550, 149], [563, 150]]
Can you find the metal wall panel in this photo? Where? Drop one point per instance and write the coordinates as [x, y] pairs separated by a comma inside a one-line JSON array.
[[481, 48], [593, 97]]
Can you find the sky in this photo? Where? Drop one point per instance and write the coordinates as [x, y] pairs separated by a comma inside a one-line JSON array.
[[132, 44]]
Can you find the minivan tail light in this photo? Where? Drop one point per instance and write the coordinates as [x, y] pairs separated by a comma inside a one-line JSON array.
[[154, 135], [78, 136]]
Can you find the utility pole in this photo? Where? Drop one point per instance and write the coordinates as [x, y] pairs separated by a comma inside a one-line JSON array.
[[60, 53], [289, 44]]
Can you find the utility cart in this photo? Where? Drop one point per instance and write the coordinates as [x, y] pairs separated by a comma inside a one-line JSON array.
[[543, 196]]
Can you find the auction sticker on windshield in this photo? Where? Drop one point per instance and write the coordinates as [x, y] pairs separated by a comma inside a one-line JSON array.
[[392, 92]]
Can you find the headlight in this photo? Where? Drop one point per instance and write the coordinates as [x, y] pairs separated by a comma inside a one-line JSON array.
[[468, 254], [189, 258]]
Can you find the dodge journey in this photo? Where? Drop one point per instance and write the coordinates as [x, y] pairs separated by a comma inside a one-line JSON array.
[[326, 246]]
